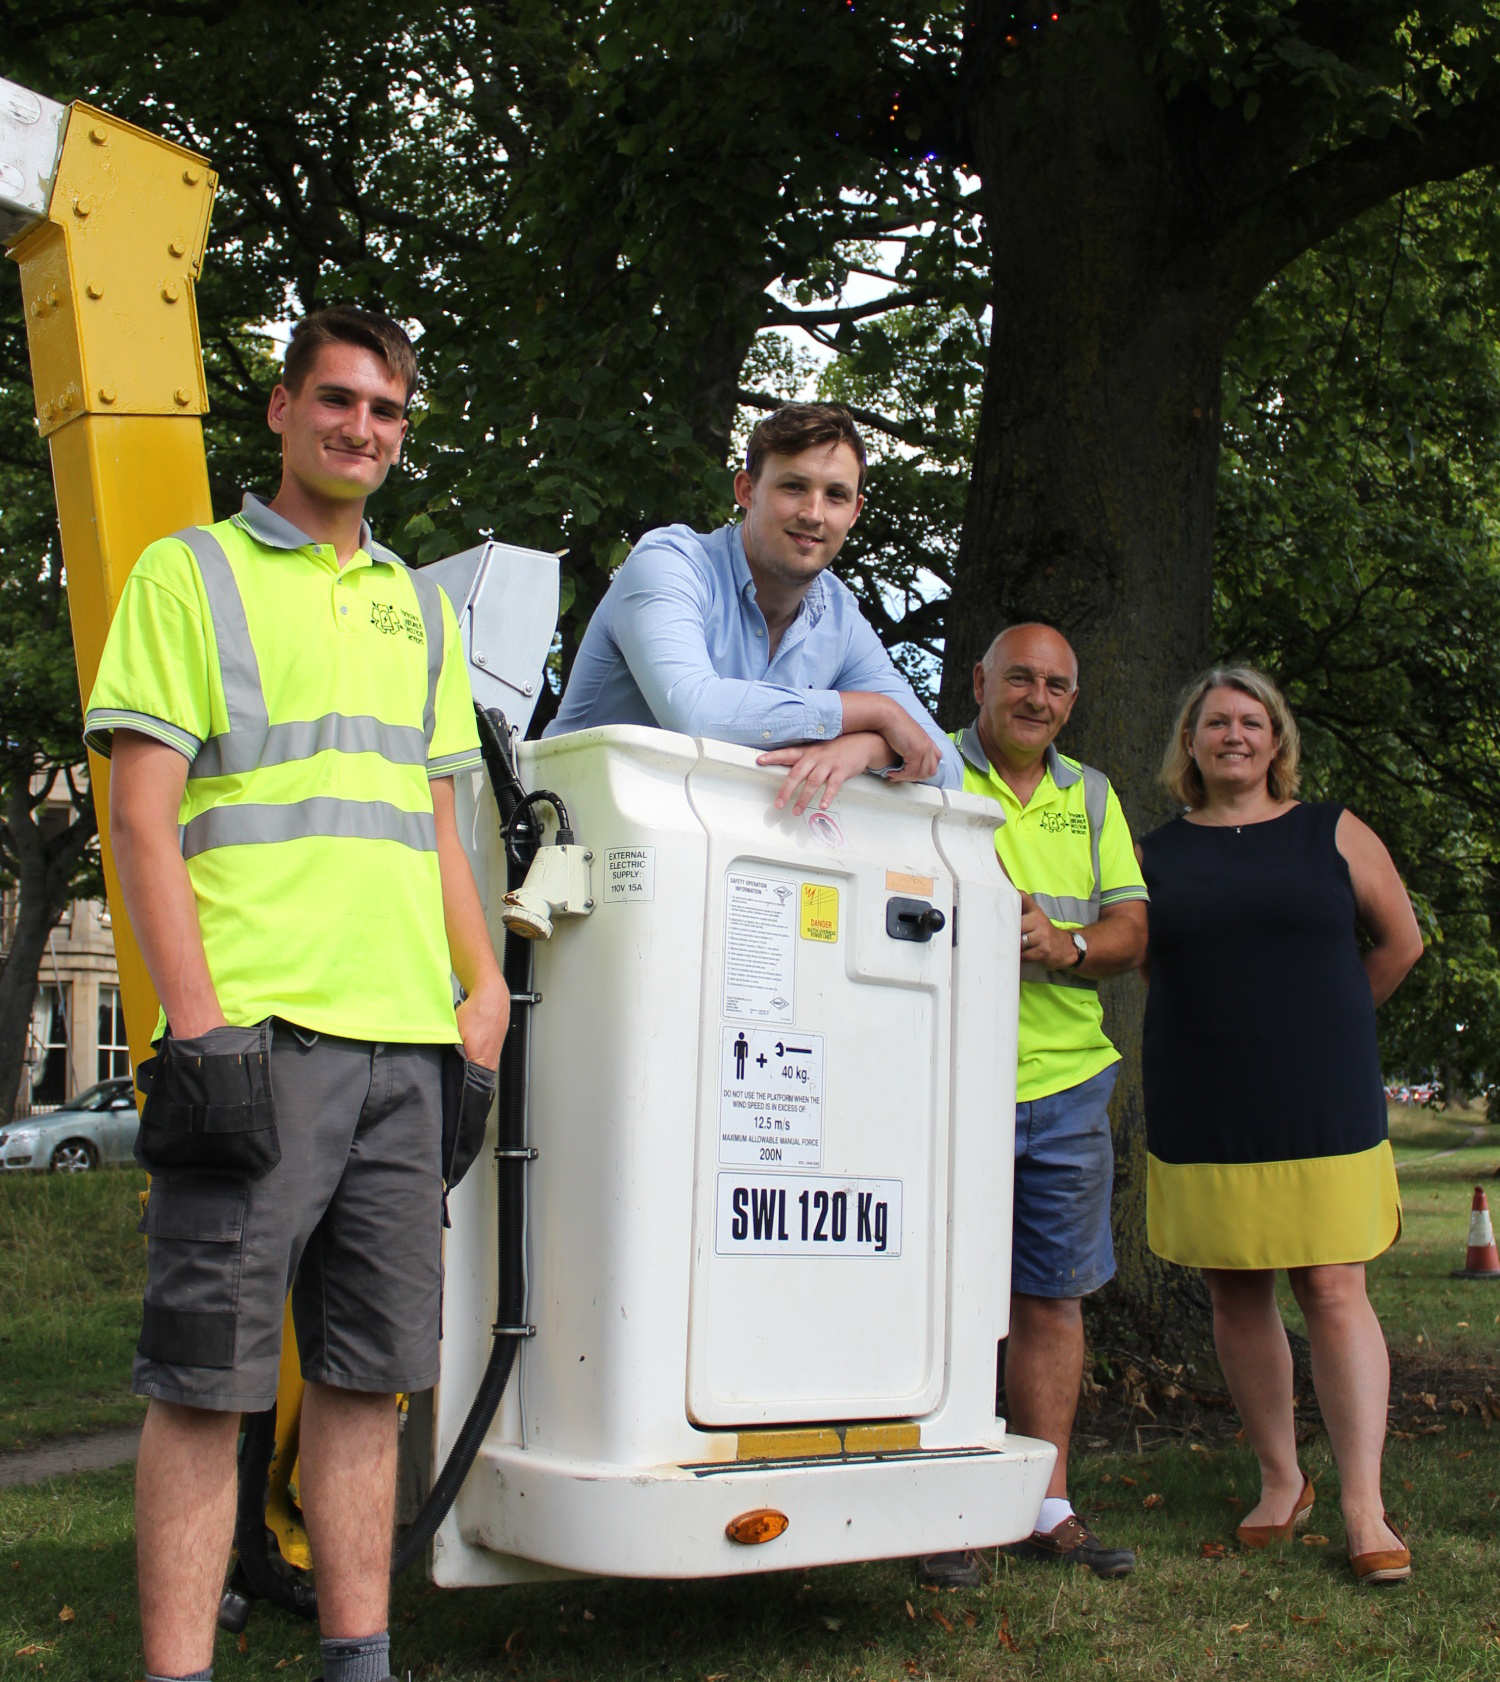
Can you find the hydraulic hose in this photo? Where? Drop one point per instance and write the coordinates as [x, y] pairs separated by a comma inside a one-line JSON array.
[[511, 1155]]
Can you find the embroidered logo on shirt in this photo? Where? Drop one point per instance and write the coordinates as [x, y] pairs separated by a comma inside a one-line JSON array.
[[392, 621]]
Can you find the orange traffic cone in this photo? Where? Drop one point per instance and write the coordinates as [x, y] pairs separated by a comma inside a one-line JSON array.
[[1483, 1260]]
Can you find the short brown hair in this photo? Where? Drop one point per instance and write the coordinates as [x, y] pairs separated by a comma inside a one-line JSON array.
[[344, 324], [795, 427], [1181, 777]]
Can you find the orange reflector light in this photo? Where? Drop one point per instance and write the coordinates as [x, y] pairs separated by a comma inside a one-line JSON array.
[[760, 1524]]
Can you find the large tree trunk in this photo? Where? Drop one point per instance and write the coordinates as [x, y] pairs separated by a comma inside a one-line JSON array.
[[1092, 497]]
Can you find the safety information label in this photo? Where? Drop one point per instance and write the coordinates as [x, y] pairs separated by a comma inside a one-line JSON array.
[[629, 873], [760, 939], [771, 1097], [799, 1215]]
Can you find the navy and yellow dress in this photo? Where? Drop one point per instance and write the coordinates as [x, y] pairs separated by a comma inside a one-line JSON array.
[[1265, 1115]]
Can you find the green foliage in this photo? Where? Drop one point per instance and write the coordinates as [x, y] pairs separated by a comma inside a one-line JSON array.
[[912, 377]]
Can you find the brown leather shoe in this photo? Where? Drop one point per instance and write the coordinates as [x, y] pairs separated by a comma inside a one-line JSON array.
[[1073, 1543], [1382, 1565], [1263, 1535]]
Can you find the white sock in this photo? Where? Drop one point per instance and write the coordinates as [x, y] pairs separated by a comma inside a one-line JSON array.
[[1054, 1510]]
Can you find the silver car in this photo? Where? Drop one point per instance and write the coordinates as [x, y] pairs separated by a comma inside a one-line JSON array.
[[95, 1127]]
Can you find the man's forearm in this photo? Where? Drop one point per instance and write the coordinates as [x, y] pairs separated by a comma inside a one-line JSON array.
[[865, 710], [485, 1012], [144, 790], [1117, 942]]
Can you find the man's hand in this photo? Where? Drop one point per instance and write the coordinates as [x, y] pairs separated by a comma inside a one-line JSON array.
[[482, 1021], [906, 742], [819, 770], [1042, 942], [918, 754]]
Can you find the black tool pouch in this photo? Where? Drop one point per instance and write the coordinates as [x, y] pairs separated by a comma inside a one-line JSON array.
[[208, 1104], [468, 1095]]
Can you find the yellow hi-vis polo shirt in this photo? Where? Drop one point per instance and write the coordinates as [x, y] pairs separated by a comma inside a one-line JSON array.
[[313, 703], [1074, 862]]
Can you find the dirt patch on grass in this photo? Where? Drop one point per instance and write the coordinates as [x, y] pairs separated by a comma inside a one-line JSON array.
[[1144, 1401], [66, 1456]]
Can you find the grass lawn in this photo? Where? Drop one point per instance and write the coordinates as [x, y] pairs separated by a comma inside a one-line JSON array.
[[1429, 1317], [73, 1267], [1196, 1607]]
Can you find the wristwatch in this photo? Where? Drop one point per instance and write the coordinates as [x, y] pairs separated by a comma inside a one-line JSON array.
[[1082, 946]]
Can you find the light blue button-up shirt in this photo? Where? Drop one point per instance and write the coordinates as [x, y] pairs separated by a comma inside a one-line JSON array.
[[679, 641]]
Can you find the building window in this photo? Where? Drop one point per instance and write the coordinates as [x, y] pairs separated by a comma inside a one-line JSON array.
[[114, 1051], [47, 1045]]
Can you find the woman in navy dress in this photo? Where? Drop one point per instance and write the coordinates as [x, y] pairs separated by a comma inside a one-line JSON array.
[[1265, 1114]]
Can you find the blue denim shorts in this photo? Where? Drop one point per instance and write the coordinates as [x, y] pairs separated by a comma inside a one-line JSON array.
[[1065, 1169]]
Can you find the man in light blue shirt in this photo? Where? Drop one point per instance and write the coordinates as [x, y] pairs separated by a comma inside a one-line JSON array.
[[743, 634]]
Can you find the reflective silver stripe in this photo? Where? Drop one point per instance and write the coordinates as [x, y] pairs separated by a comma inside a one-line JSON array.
[[430, 600], [1095, 803], [251, 741], [239, 671], [361, 820], [1062, 978], [282, 744], [1061, 909]]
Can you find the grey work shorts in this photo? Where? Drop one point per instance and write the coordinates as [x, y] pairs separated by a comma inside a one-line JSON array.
[[349, 1220]]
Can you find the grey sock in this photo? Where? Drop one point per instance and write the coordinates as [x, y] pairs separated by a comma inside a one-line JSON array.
[[367, 1658], [196, 1676]]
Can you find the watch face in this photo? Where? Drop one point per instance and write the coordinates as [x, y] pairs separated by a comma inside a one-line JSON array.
[[1081, 944]]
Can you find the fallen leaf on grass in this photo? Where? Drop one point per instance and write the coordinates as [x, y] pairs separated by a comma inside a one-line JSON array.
[[282, 1664], [1313, 1540], [1128, 1481], [911, 1611], [35, 1647], [832, 1623], [911, 1667], [1153, 1500], [1238, 1629], [511, 1640], [242, 1642], [938, 1618], [67, 1615], [970, 1619], [1467, 1454], [1003, 1637], [1297, 1618], [1212, 1550]]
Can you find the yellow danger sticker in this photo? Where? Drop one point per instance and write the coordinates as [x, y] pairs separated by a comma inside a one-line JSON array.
[[820, 912]]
